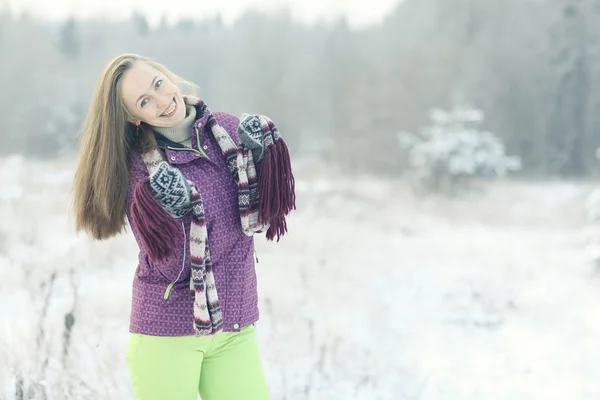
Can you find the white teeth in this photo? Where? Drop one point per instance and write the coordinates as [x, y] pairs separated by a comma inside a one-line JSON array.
[[171, 109]]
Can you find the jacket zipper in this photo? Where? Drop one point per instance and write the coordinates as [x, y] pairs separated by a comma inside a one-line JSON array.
[[199, 151], [170, 286]]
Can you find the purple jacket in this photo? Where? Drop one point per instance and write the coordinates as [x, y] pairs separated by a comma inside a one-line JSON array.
[[161, 309]]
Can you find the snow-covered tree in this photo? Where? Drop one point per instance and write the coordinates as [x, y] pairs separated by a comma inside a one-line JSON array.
[[453, 149]]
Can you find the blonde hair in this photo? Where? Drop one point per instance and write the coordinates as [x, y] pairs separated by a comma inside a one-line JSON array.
[[101, 181]]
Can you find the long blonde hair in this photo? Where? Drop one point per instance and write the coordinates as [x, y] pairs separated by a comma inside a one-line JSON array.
[[101, 181]]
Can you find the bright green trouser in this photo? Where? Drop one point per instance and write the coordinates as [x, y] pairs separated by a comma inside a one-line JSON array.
[[225, 366]]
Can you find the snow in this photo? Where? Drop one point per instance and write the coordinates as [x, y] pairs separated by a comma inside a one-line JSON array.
[[376, 293]]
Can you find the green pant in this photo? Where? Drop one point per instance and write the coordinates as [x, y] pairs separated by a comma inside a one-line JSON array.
[[225, 366]]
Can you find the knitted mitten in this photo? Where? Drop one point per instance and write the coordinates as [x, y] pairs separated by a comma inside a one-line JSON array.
[[251, 135]]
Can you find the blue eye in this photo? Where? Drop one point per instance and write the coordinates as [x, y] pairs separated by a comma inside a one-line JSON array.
[[157, 85]]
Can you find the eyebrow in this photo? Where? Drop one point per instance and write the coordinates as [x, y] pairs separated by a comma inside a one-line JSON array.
[[151, 86]]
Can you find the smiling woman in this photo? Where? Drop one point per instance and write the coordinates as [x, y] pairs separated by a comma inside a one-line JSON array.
[[151, 97], [154, 154]]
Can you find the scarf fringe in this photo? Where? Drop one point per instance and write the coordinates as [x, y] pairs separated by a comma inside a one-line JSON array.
[[157, 228], [276, 186]]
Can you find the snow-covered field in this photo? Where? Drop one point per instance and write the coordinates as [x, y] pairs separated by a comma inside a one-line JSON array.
[[374, 294]]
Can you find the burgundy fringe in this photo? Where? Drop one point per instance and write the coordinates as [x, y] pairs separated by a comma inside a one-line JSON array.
[[277, 228], [264, 189], [157, 228], [276, 187], [289, 192]]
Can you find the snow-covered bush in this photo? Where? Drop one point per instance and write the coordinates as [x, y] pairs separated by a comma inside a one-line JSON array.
[[452, 149]]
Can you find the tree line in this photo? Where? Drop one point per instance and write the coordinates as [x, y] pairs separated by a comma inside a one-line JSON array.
[[337, 92]]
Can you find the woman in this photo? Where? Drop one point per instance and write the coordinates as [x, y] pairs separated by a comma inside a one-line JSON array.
[[186, 181]]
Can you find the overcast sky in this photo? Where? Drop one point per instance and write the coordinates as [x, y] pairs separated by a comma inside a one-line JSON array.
[[359, 12]]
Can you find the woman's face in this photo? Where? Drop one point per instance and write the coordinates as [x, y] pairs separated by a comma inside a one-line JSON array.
[[151, 97]]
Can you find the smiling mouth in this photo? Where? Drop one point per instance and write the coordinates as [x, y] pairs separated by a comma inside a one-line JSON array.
[[171, 110]]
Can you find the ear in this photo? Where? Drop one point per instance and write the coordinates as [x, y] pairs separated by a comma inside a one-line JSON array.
[[135, 121]]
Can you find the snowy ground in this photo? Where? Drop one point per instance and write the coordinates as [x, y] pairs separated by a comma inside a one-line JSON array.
[[374, 294]]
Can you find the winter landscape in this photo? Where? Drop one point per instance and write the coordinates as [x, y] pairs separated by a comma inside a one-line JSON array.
[[446, 242], [376, 293]]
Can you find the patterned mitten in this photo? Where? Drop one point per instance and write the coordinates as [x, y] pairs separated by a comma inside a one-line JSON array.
[[171, 190], [252, 136]]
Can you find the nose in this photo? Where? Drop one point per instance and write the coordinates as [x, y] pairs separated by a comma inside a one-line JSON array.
[[163, 100]]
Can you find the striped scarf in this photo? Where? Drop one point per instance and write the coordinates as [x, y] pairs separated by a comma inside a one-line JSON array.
[[264, 200]]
